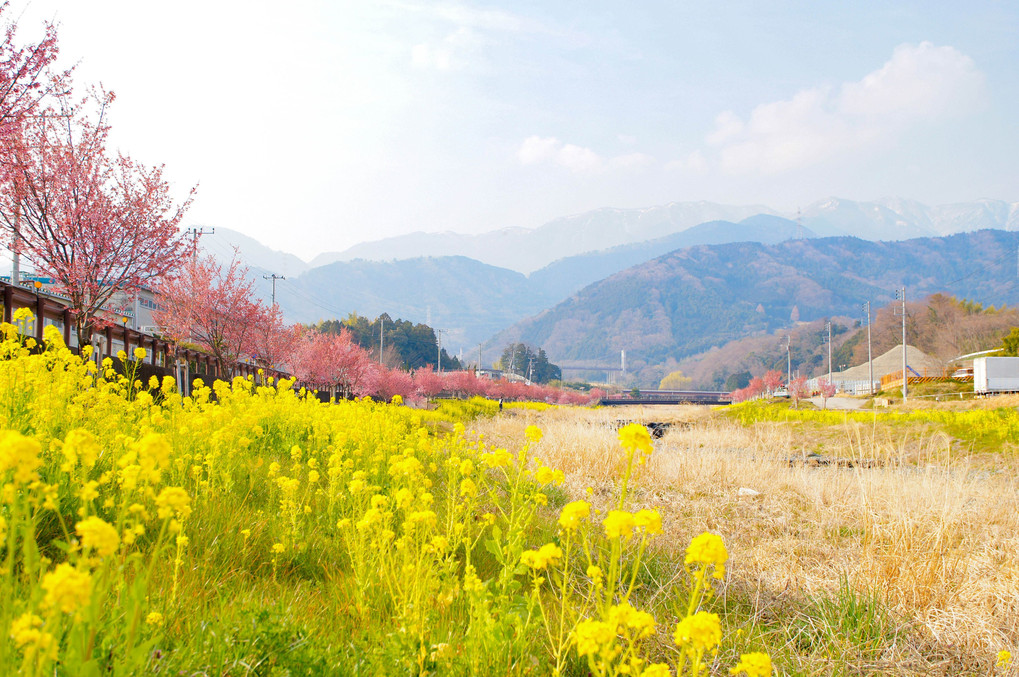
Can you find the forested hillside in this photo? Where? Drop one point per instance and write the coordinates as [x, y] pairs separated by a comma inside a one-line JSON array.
[[694, 299]]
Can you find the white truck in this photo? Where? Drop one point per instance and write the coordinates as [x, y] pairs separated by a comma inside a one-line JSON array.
[[996, 375]]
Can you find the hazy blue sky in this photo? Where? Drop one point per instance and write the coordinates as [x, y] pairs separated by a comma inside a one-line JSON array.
[[315, 125]]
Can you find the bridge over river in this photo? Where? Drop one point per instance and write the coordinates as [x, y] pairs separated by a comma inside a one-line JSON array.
[[670, 397]]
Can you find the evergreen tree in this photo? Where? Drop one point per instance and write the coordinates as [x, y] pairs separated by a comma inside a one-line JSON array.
[[520, 359]]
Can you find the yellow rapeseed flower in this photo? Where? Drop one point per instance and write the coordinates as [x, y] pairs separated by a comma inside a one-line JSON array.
[[153, 452], [80, 445], [155, 619], [636, 437], [619, 524], [629, 619], [592, 636], [533, 433], [88, 491], [20, 454], [1004, 659], [468, 488], [98, 535], [708, 550], [421, 517], [67, 589], [702, 631], [139, 353], [657, 670], [595, 573], [27, 633], [500, 458], [753, 664], [648, 520], [541, 558], [573, 513], [544, 475], [173, 501]]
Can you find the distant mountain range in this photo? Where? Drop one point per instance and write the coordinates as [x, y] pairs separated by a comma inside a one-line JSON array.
[[469, 299], [691, 300], [527, 250], [473, 299]]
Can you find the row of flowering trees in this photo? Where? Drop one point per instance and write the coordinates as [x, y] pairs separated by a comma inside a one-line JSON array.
[[214, 307], [334, 363], [765, 386]]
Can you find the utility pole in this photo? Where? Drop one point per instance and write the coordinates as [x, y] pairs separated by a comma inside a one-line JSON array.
[[197, 232], [438, 348], [382, 337], [827, 326], [274, 277], [870, 355], [901, 295], [16, 247], [788, 360], [194, 234]]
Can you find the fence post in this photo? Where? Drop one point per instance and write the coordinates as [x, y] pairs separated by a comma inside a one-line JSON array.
[[8, 303]]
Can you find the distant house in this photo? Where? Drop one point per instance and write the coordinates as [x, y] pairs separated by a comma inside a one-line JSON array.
[[137, 310]]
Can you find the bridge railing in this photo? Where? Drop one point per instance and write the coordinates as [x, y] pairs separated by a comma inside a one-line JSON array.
[[670, 397]]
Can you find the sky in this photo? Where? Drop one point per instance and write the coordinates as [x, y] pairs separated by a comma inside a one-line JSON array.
[[313, 125]]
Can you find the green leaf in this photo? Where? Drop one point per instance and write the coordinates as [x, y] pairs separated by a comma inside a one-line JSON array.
[[492, 546]]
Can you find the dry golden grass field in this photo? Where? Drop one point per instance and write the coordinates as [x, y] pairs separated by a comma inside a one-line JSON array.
[[900, 557]]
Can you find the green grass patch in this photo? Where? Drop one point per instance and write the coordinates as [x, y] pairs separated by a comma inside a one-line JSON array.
[[985, 429]]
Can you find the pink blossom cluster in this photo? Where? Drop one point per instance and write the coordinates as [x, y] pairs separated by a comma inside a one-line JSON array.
[[334, 363]]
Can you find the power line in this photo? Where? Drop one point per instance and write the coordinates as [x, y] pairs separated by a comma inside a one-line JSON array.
[[274, 277]]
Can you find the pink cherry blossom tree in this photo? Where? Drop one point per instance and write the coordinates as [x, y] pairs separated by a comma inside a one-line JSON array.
[[214, 308], [798, 390], [772, 380], [100, 224]]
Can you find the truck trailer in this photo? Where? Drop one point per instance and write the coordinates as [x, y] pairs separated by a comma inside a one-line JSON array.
[[996, 375]]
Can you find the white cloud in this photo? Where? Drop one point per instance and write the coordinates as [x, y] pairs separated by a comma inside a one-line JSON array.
[[458, 50], [538, 150], [632, 161], [727, 126], [920, 80], [920, 83], [468, 17], [472, 30], [693, 163], [579, 159]]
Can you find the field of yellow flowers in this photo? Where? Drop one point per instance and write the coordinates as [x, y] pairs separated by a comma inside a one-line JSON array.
[[250, 529]]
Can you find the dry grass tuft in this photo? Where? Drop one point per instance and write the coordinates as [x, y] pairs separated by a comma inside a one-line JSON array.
[[932, 535]]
